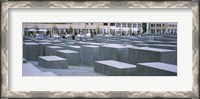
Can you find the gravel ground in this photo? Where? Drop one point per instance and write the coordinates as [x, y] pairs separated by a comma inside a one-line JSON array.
[[71, 71]]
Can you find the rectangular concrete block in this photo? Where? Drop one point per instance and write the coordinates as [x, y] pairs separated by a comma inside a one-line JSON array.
[[161, 42], [137, 42], [156, 69], [31, 51], [71, 56], [51, 50], [56, 41], [52, 62], [114, 68], [95, 44], [74, 48], [141, 45], [59, 44], [145, 54], [70, 43], [164, 39], [43, 41], [154, 42], [171, 42], [28, 41], [79, 43], [89, 54], [113, 52], [42, 47], [163, 46]]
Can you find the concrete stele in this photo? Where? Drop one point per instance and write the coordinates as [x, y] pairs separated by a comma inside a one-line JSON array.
[[71, 56]]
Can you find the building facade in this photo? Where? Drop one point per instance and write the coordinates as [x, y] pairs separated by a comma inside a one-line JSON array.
[[163, 27], [119, 28]]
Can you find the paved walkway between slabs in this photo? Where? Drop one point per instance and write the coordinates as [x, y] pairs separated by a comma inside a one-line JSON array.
[[71, 71]]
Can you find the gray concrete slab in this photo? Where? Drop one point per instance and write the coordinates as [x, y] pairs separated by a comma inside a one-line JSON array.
[[74, 48], [141, 45], [137, 42], [114, 68], [72, 57], [163, 46], [52, 62], [59, 44], [31, 51], [71, 71], [145, 54], [51, 50], [79, 43], [28, 40], [164, 39], [95, 44], [56, 41], [156, 69], [154, 42], [113, 52], [70, 43], [42, 47], [89, 54]]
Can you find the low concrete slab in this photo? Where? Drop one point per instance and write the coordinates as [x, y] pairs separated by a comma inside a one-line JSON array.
[[145, 54], [113, 52], [71, 56], [51, 50], [163, 46], [74, 48], [156, 69], [52, 62], [114, 68]]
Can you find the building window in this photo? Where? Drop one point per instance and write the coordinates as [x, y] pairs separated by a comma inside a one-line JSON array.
[[152, 31], [105, 24], [112, 24], [129, 25], [118, 24], [134, 25], [163, 25], [86, 23], [123, 24], [158, 25], [91, 23], [152, 25], [139, 25]]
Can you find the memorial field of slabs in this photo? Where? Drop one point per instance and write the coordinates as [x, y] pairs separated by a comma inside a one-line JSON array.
[[100, 49]]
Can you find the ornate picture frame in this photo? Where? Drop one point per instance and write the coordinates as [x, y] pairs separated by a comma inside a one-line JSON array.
[[6, 5]]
